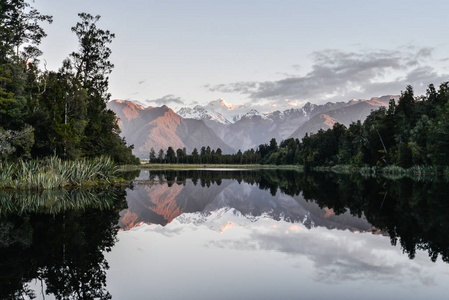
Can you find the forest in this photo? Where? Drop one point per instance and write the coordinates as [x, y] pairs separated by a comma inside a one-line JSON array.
[[55, 113], [412, 132]]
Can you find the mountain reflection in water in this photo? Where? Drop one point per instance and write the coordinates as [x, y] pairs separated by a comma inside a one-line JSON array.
[[248, 234], [414, 214], [166, 196]]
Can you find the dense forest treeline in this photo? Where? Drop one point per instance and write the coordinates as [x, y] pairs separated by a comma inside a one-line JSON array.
[[414, 131], [45, 113]]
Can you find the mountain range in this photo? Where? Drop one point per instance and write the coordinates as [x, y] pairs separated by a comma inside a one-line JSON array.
[[220, 125]]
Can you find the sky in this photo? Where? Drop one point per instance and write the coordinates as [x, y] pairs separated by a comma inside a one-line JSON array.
[[267, 54]]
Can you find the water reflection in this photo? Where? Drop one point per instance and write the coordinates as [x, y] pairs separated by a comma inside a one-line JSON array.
[[265, 225], [167, 195], [415, 214], [60, 249], [55, 201]]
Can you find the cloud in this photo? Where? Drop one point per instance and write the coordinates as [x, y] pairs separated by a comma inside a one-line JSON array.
[[167, 99], [340, 75], [337, 256]]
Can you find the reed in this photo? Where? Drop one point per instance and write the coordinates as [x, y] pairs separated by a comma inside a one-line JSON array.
[[55, 173]]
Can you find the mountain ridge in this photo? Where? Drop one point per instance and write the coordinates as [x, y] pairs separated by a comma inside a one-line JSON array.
[[161, 127]]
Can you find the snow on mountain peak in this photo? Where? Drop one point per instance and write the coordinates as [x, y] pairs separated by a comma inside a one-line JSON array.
[[201, 113], [221, 104], [252, 112]]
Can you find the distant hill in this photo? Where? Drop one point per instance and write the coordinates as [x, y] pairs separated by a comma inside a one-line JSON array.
[[355, 110]]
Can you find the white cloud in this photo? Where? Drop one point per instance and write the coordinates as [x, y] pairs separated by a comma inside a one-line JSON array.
[[338, 75], [166, 100]]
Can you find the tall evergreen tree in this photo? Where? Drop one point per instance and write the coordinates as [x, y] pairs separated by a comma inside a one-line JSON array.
[[152, 155]]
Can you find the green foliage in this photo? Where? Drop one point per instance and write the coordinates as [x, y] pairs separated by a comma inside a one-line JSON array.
[[19, 25], [16, 143], [63, 113]]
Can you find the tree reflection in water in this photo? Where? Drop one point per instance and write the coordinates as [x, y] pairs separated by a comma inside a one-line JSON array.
[[64, 250]]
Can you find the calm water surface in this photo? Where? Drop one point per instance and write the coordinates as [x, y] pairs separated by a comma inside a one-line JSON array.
[[234, 235]]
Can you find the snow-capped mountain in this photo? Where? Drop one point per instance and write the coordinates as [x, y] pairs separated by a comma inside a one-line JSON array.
[[216, 110], [254, 113], [229, 111], [248, 128], [202, 113]]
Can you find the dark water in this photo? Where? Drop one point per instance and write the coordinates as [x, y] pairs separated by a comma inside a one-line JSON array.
[[229, 235]]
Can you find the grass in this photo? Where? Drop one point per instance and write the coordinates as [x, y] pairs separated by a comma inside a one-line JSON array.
[[54, 173]]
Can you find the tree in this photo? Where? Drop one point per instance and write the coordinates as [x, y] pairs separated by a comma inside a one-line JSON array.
[[91, 68], [66, 110], [91, 62], [16, 143], [170, 156], [19, 29], [439, 137], [160, 156], [406, 102], [195, 156], [59, 116], [180, 154], [19, 25], [273, 145], [152, 155]]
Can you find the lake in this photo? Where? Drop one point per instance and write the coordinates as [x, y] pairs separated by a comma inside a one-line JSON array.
[[229, 234]]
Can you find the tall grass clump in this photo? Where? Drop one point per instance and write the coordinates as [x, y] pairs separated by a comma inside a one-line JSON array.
[[6, 173], [55, 173]]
